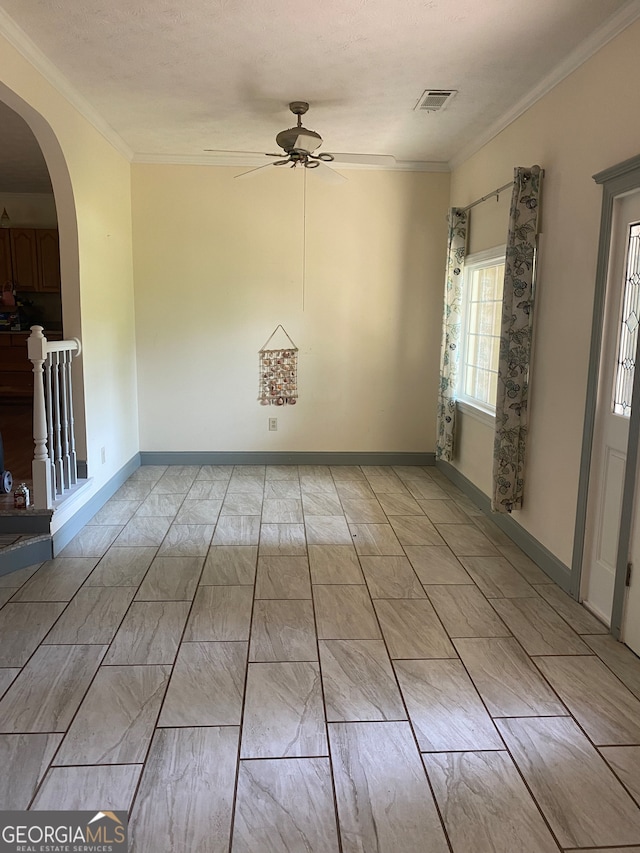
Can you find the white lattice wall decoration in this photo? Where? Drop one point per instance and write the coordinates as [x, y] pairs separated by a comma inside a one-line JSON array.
[[278, 374]]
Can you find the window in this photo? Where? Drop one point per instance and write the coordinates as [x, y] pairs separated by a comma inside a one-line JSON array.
[[480, 343], [629, 322]]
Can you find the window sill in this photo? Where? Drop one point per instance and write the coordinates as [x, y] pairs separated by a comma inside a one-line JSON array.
[[468, 409]]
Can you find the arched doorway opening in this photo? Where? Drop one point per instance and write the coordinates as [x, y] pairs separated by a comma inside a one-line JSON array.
[[34, 219]]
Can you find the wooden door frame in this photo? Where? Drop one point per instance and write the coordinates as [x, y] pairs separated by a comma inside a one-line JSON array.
[[616, 181]]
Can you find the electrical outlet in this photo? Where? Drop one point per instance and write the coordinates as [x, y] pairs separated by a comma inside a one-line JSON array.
[[103, 454], [273, 424]]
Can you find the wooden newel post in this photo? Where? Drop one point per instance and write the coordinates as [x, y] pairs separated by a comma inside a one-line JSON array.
[[41, 466]]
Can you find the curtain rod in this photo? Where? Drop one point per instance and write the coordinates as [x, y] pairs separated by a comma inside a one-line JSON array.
[[485, 197]]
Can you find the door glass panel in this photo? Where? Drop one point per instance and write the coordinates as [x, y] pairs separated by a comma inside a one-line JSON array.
[[629, 322]]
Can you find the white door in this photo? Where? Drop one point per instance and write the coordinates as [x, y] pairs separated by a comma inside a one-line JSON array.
[[611, 431], [630, 633], [631, 618]]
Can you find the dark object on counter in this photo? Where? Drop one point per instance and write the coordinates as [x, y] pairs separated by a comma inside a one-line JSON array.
[[9, 320], [8, 296], [21, 498], [6, 480]]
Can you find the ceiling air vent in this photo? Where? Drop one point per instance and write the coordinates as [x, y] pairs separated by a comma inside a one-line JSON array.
[[434, 100]]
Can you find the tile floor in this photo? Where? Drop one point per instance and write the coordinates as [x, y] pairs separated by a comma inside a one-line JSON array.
[[312, 660]]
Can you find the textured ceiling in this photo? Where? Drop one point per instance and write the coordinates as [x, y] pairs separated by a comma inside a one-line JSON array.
[[173, 78]]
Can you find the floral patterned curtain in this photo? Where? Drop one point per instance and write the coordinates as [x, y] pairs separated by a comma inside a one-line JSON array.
[[451, 334], [515, 342]]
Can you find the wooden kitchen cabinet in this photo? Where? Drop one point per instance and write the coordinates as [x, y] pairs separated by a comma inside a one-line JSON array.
[[48, 252], [5, 256], [35, 259], [16, 371], [24, 258]]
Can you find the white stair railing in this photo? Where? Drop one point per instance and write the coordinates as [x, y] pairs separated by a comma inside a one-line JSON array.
[[54, 460]]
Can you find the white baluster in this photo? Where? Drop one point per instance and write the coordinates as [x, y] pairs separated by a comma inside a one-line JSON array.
[[72, 433], [41, 470], [57, 438], [65, 357], [49, 402]]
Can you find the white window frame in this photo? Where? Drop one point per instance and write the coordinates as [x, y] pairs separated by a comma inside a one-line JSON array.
[[485, 413]]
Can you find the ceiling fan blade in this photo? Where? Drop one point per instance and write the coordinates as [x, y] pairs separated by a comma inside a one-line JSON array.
[[241, 153], [329, 175], [251, 173], [366, 159], [228, 151]]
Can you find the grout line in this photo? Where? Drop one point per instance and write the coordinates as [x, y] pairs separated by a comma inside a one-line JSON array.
[[94, 764], [234, 803], [527, 716], [324, 707], [268, 662], [284, 758], [463, 751], [558, 654]]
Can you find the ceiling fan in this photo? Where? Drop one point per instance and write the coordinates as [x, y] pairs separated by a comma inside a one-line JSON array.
[[299, 144]]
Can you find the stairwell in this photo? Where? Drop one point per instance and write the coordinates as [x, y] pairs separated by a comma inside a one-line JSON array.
[[25, 535]]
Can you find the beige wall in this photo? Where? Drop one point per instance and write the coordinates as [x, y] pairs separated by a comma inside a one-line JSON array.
[[91, 182], [219, 263], [588, 122]]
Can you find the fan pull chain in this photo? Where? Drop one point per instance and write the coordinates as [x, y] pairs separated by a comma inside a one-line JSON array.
[[304, 236]]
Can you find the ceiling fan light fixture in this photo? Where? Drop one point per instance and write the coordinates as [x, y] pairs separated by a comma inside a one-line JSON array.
[[299, 139], [308, 140]]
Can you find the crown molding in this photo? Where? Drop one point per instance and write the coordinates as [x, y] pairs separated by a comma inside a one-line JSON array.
[[623, 18], [32, 53], [422, 166], [249, 160]]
